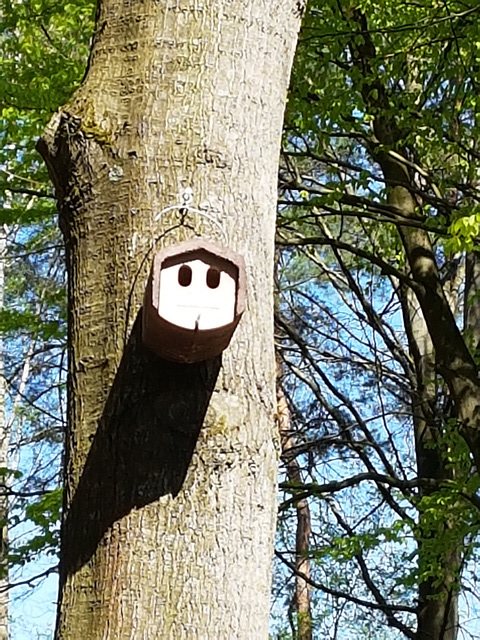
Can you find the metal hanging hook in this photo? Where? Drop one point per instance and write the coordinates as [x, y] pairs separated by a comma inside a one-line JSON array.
[[186, 207]]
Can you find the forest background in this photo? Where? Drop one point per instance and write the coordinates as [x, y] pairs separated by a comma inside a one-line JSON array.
[[377, 317]]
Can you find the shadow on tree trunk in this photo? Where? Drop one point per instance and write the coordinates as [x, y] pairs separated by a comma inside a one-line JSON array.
[[142, 447]]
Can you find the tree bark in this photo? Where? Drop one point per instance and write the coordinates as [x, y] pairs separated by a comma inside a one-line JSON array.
[[170, 469]]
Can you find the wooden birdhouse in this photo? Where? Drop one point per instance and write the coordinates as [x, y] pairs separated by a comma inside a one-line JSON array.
[[194, 299]]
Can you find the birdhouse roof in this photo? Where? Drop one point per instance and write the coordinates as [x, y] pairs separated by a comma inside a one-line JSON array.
[[198, 245]]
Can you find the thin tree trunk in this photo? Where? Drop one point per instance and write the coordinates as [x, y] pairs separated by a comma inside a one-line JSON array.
[[302, 599], [472, 302], [171, 469], [4, 442], [453, 359]]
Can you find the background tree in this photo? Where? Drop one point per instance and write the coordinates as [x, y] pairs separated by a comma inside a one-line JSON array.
[[376, 316]]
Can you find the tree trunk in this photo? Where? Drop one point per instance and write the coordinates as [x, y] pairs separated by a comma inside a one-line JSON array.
[[435, 342], [302, 599], [437, 615], [453, 358], [471, 305], [4, 442], [170, 468]]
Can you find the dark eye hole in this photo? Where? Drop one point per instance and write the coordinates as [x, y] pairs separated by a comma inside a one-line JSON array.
[[184, 275], [213, 278]]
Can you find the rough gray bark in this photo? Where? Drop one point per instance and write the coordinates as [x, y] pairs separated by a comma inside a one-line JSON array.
[[171, 469]]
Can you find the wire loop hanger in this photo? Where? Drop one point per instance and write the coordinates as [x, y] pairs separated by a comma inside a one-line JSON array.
[[185, 207]]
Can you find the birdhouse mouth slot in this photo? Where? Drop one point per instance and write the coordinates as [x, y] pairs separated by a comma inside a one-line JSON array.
[[184, 275], [213, 278]]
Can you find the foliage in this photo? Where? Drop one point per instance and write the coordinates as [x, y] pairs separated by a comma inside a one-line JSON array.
[[44, 515], [44, 51]]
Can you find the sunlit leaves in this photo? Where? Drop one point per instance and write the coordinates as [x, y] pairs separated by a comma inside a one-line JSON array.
[[464, 231], [422, 58], [44, 50]]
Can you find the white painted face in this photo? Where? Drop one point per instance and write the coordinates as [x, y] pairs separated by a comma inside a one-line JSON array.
[[196, 294]]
